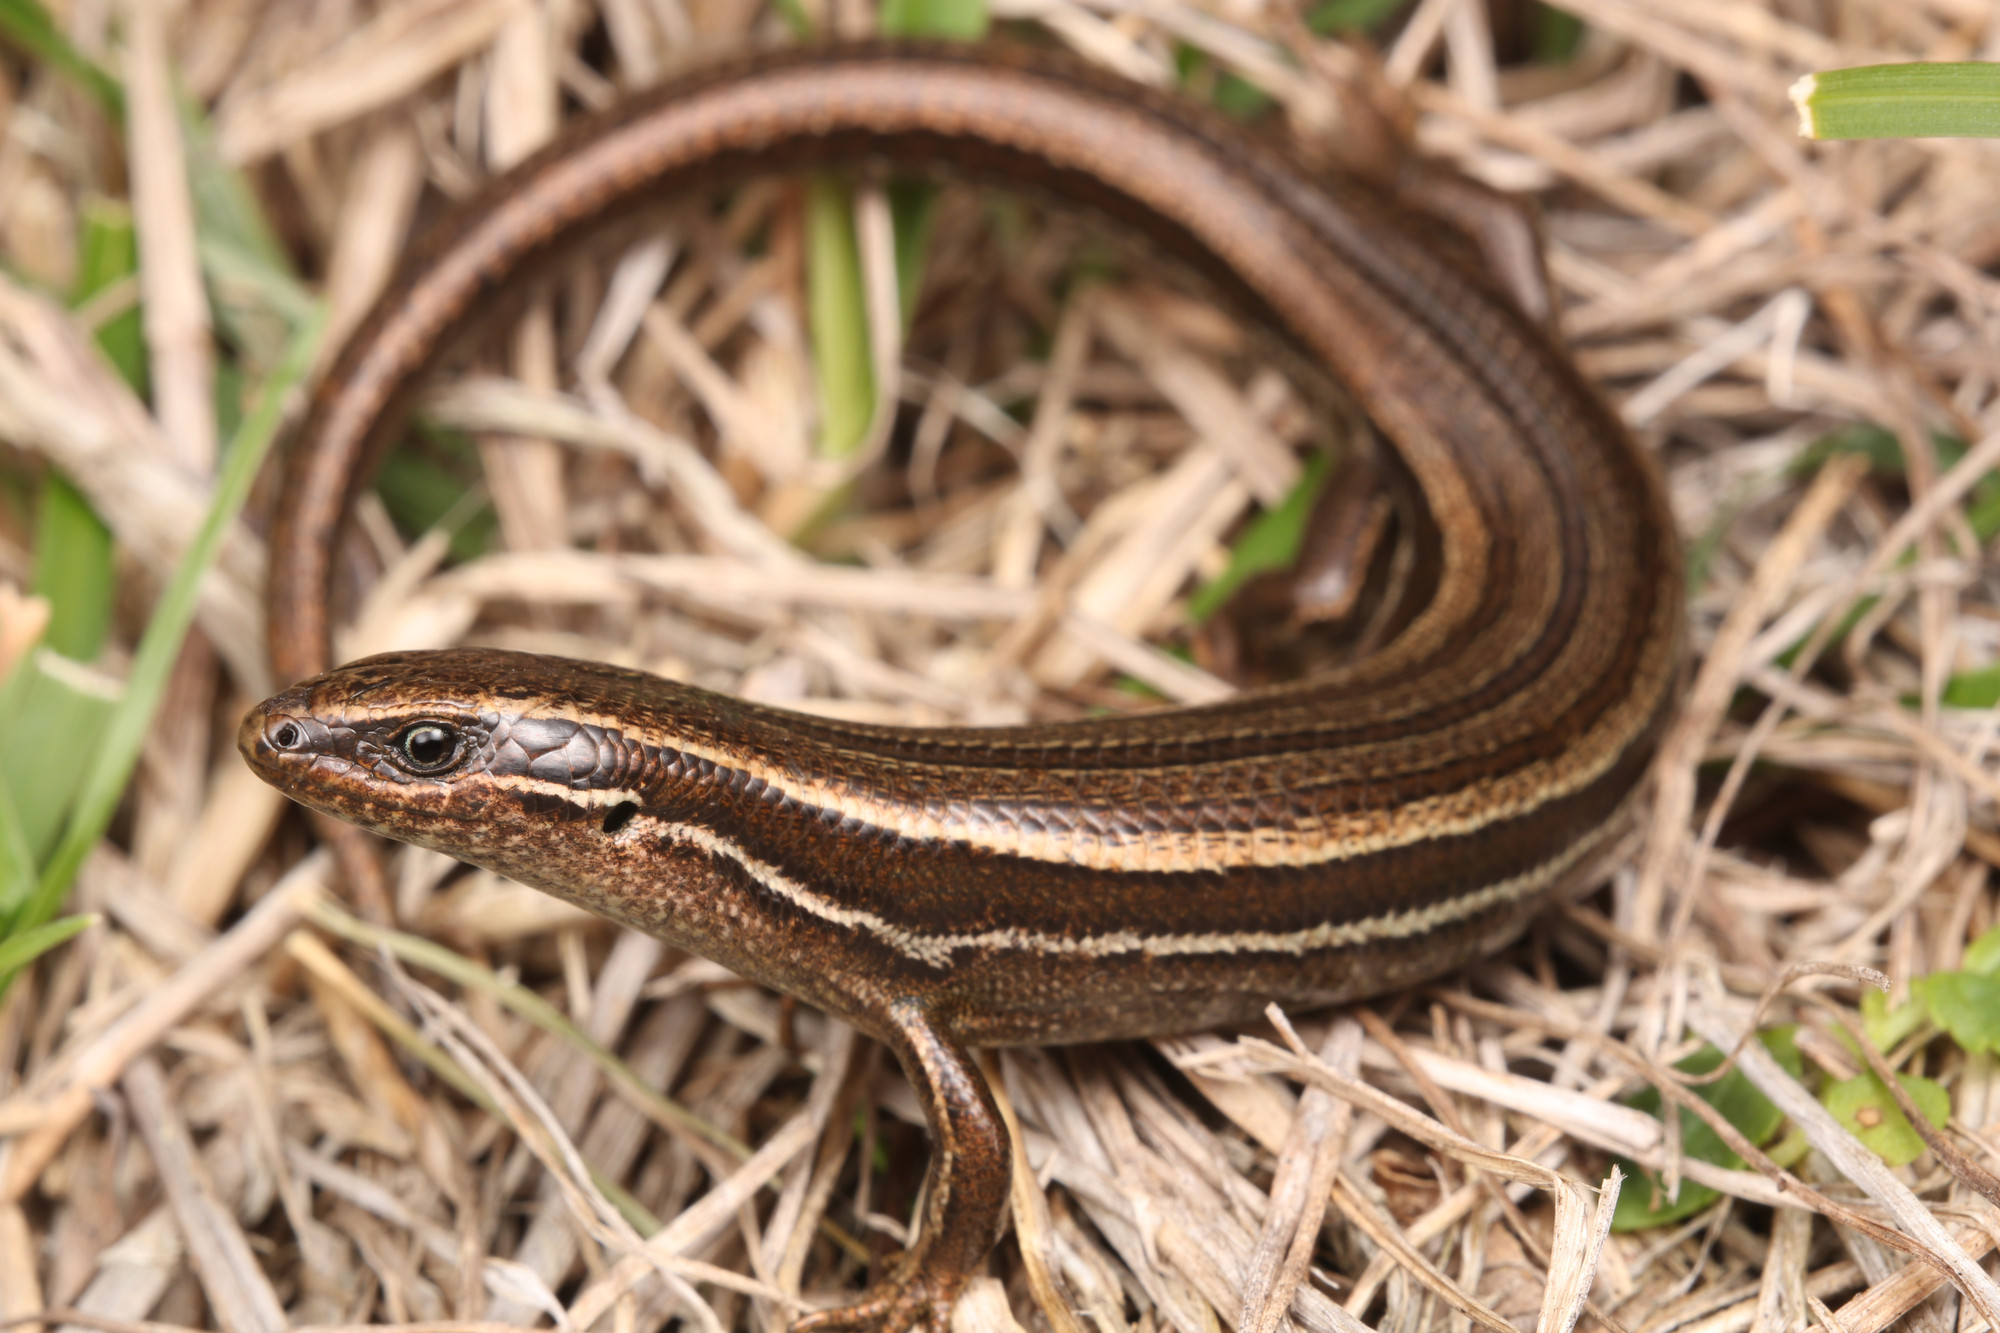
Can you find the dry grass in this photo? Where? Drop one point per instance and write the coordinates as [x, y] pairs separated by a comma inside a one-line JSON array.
[[232, 1106]]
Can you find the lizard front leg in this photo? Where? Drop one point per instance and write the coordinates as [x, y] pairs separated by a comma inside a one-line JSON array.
[[964, 1192]]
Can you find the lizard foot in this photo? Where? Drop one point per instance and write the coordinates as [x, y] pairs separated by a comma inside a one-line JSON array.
[[908, 1298]]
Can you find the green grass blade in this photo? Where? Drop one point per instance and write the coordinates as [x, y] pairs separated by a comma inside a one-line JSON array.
[[913, 204], [958, 20], [125, 732], [1353, 16], [837, 305], [28, 26], [1270, 541], [17, 859], [795, 18], [73, 570], [107, 255], [1973, 689], [257, 298], [838, 317], [18, 950], [913, 213], [53, 712], [1913, 101], [433, 481]]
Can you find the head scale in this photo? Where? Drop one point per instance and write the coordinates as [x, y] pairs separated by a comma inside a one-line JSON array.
[[421, 746]]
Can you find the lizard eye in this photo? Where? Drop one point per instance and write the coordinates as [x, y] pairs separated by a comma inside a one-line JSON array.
[[428, 747]]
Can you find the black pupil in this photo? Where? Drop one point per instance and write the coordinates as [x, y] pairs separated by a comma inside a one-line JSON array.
[[428, 745], [287, 737]]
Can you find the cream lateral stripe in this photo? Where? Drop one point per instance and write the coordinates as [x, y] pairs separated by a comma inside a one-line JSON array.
[[585, 798], [936, 950], [1003, 830]]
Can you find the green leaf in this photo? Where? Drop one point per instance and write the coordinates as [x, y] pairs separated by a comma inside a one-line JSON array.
[[1885, 456], [73, 570], [1881, 448], [108, 254], [958, 20], [1644, 1203], [28, 26], [1864, 1105], [53, 712], [1888, 1027], [24, 947], [437, 485], [1964, 1004], [1137, 689], [1238, 97], [1351, 15], [111, 761], [1982, 510], [228, 214], [17, 859], [913, 204], [1790, 1150], [1558, 35], [258, 301], [1983, 954], [1846, 625], [913, 214], [256, 306], [1973, 689], [1231, 94], [18, 950], [838, 317], [1918, 100], [1270, 541], [795, 17], [73, 548]]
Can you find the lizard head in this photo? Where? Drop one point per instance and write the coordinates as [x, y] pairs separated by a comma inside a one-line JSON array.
[[423, 747]]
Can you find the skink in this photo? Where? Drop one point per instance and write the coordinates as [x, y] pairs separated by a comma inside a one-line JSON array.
[[954, 888]]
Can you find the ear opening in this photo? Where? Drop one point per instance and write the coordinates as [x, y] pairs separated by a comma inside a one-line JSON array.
[[619, 815]]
